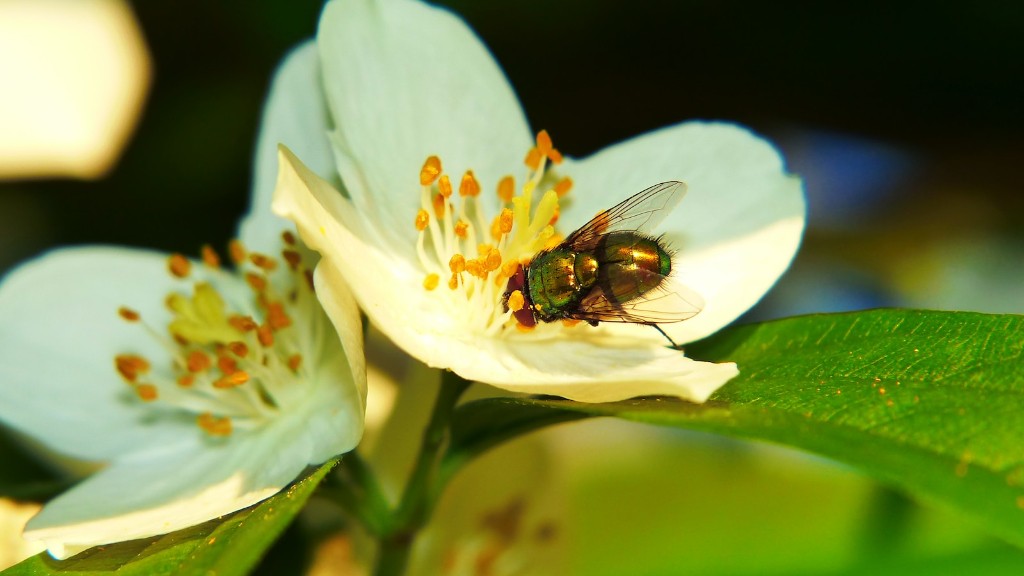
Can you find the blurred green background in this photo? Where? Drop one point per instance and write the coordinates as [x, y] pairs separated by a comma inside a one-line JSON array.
[[906, 120]]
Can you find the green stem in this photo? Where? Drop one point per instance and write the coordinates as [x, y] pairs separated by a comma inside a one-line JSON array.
[[416, 504]]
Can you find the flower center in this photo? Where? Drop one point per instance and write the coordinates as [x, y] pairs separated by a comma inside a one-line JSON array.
[[478, 252], [233, 366]]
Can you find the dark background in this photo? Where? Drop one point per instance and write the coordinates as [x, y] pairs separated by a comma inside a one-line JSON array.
[[905, 118]]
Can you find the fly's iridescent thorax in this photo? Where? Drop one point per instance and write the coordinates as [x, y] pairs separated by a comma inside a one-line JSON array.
[[557, 280]]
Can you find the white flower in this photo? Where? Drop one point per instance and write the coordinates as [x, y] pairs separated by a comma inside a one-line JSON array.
[[213, 390], [420, 111]]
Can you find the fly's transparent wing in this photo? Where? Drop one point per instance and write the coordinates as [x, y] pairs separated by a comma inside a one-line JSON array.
[[617, 300], [641, 212]]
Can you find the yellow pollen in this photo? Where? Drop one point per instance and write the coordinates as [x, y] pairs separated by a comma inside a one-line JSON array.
[[265, 336], [524, 328], [263, 261], [569, 323], [453, 282], [505, 220], [146, 392], [257, 282], [516, 301], [210, 257], [186, 380], [493, 260], [508, 269], [130, 366], [288, 238], [543, 142], [293, 258], [237, 251], [469, 185], [457, 264], [128, 314], [238, 349], [213, 425], [430, 171], [178, 265], [277, 318], [476, 268], [563, 186], [533, 158], [462, 229], [422, 220], [236, 378], [242, 323], [431, 281], [444, 185], [506, 189], [438, 203], [294, 361], [197, 361]]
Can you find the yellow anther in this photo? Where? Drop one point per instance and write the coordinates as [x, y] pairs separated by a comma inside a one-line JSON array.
[[533, 158], [214, 425], [186, 380], [146, 392], [242, 323], [277, 318], [236, 378], [469, 185], [431, 281], [197, 361], [569, 323], [453, 282], [238, 349], [430, 171], [462, 229], [128, 314], [444, 186], [457, 264], [237, 251], [475, 267], [178, 265], [294, 361], [516, 301], [422, 220], [505, 219], [483, 249], [438, 202], [563, 186], [506, 189], [543, 142], [288, 237], [256, 281], [293, 258], [130, 366], [265, 335], [493, 260], [496, 229], [263, 261], [210, 257], [508, 269]]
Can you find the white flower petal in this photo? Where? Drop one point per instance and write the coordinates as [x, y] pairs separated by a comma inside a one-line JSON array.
[[167, 489], [406, 80], [295, 114], [585, 370], [59, 333], [737, 229]]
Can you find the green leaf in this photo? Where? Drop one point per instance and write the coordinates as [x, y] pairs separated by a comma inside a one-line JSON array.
[[22, 477], [226, 546], [931, 402]]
